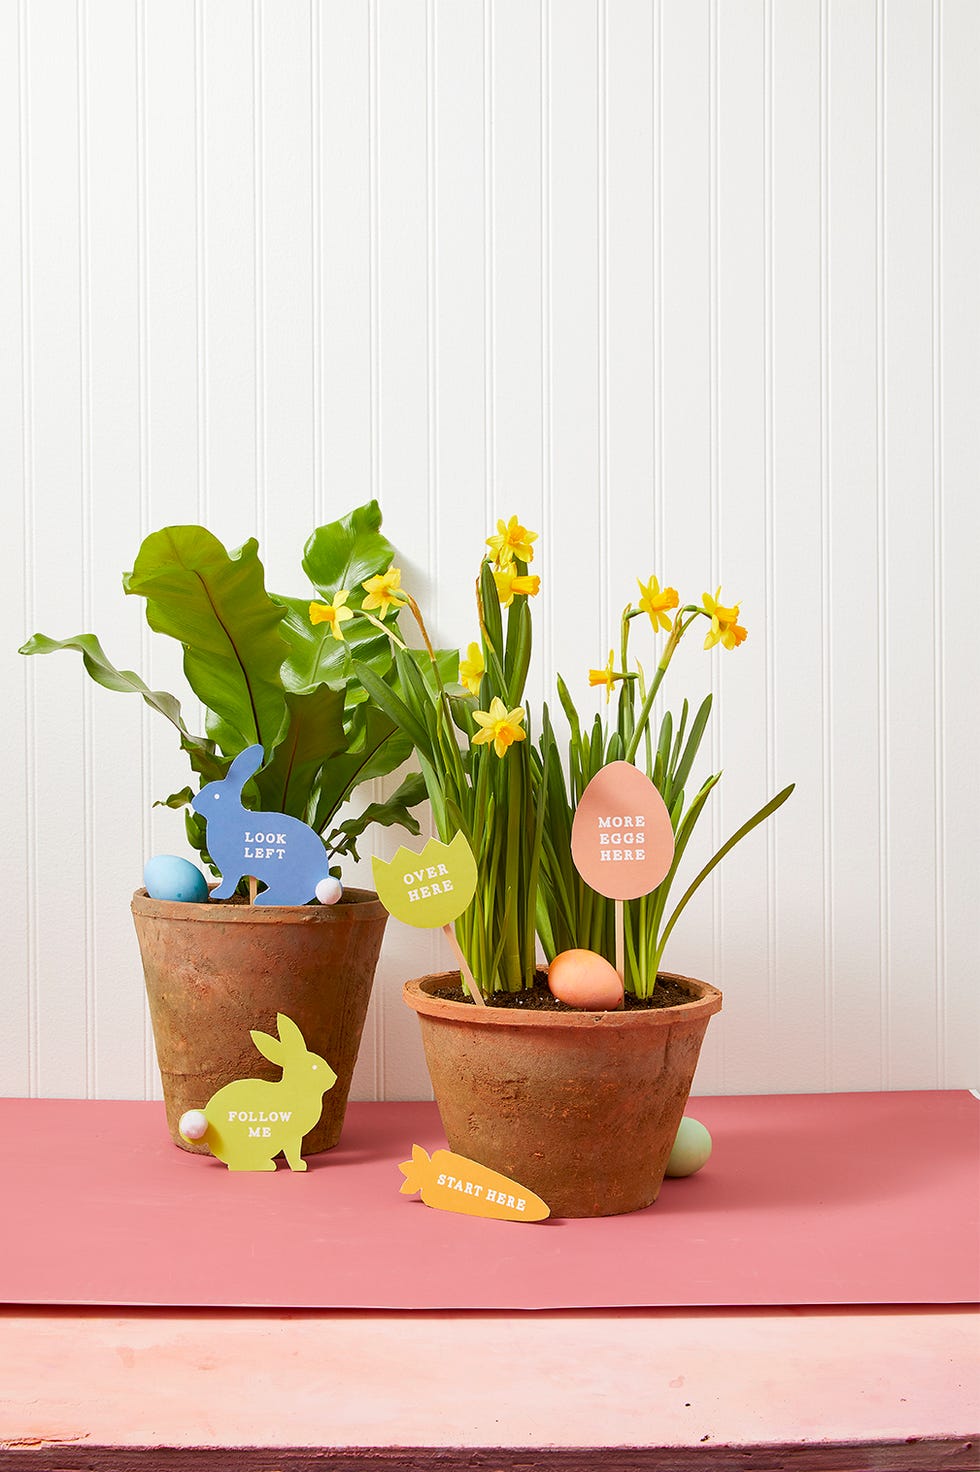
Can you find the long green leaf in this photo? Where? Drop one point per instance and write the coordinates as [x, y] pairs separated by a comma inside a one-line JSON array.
[[393, 811], [753, 822], [388, 754], [394, 707], [614, 748], [678, 739], [661, 765], [518, 656], [534, 867], [215, 604], [176, 800], [343, 773], [568, 706], [682, 770], [315, 735], [345, 553], [104, 672], [490, 603], [314, 657]]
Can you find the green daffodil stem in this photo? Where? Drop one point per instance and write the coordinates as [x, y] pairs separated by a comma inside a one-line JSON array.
[[385, 629], [511, 960], [624, 635], [677, 633], [417, 615], [647, 706]]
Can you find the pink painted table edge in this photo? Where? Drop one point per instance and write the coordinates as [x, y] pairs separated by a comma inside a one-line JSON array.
[[410, 1389]]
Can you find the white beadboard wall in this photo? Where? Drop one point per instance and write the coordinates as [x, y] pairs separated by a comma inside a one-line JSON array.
[[690, 285]]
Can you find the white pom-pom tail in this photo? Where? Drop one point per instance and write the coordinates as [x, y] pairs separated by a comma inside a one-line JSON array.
[[193, 1125]]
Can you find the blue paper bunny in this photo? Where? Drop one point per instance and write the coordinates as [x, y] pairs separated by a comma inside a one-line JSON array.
[[284, 853]]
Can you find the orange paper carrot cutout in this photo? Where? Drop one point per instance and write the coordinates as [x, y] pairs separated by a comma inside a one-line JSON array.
[[452, 1183]]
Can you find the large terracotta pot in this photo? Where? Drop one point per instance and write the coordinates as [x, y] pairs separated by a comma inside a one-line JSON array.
[[580, 1107], [215, 971]]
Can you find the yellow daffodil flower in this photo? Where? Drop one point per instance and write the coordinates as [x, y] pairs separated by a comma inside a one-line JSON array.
[[384, 591], [471, 669], [335, 613], [725, 628], [512, 540], [604, 677], [656, 602], [499, 725], [509, 583]]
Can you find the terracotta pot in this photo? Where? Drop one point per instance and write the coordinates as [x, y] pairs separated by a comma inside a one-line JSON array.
[[580, 1107], [215, 971]]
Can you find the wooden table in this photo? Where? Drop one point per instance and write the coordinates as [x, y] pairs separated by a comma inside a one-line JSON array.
[[109, 1386], [231, 1391]]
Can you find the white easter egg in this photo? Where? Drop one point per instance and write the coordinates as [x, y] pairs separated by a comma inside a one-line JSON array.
[[691, 1148], [329, 890], [166, 877]]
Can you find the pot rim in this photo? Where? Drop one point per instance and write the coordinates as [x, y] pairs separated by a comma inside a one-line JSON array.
[[362, 905], [706, 1000]]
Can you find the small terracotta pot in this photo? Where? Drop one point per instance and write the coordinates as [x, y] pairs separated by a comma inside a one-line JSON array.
[[580, 1107], [215, 971]]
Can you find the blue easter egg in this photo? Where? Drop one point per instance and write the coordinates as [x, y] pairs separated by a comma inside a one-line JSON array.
[[168, 878]]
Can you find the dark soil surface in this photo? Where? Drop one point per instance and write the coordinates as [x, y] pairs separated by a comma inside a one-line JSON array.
[[539, 998]]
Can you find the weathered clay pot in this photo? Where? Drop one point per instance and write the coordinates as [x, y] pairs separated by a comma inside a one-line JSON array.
[[580, 1107], [215, 971]]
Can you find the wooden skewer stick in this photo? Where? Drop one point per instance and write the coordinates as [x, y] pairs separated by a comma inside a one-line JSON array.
[[253, 888], [475, 992], [620, 944]]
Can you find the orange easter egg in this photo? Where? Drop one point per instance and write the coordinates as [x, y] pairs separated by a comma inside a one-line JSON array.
[[622, 841], [586, 980]]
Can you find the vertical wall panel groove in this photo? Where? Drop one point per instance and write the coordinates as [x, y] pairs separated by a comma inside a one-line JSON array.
[[769, 686], [373, 222], [431, 298], [714, 548], [851, 458], [258, 285], [150, 1080], [602, 319], [909, 531], [201, 258], [86, 493], [690, 288], [316, 260], [549, 601], [657, 255], [882, 566], [30, 554], [938, 578], [489, 268], [375, 1040], [826, 694], [958, 200]]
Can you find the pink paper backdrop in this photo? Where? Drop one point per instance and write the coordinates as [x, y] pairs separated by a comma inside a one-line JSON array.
[[809, 1199]]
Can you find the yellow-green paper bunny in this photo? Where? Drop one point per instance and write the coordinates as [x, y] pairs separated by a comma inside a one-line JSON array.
[[247, 1123]]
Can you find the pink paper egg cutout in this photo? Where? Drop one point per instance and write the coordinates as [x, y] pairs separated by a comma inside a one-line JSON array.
[[585, 980], [622, 841]]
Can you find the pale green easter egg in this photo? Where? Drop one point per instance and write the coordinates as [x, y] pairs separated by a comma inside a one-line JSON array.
[[691, 1148]]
